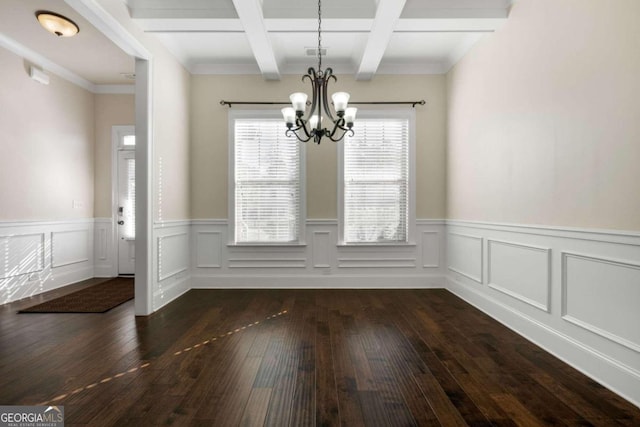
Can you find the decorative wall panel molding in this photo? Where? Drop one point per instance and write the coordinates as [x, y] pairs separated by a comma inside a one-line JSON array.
[[267, 262], [70, 247], [321, 245], [322, 260], [602, 296], [104, 263], [29, 249], [208, 247], [520, 271], [21, 254], [465, 255], [171, 261], [102, 243], [431, 248], [377, 262], [173, 254]]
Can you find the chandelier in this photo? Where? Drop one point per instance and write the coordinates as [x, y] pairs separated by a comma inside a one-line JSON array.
[[306, 129]]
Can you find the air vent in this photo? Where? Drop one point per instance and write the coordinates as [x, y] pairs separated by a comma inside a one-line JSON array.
[[313, 51]]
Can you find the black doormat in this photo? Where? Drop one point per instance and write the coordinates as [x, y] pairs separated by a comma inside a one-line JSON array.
[[95, 299]]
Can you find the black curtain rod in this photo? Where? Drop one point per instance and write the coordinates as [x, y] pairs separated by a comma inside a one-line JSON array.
[[412, 103]]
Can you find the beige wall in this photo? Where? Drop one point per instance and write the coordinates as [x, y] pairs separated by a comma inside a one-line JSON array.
[[544, 119], [110, 110], [46, 146], [171, 86], [209, 132]]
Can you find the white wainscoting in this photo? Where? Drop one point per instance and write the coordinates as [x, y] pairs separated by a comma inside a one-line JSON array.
[[38, 256], [171, 261], [70, 247], [521, 271], [465, 255], [103, 248], [319, 263], [576, 293], [591, 284]]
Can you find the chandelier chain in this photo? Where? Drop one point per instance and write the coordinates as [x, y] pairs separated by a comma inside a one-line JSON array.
[[319, 35]]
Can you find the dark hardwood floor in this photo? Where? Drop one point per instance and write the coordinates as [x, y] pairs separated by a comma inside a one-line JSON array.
[[298, 357]]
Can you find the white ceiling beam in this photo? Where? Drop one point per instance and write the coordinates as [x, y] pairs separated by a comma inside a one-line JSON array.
[[454, 25], [387, 16], [44, 63], [250, 14], [190, 25], [200, 25], [418, 25]]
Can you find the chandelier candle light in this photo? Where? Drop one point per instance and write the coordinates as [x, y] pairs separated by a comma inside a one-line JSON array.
[[309, 128]]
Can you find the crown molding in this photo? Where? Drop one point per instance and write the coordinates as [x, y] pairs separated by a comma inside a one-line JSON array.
[[60, 71], [44, 63]]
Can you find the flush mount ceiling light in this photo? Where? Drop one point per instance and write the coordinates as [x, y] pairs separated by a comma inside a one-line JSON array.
[[306, 129], [57, 24]]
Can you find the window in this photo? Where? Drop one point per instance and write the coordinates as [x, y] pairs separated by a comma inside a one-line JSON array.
[[129, 141], [267, 194], [129, 208], [376, 189]]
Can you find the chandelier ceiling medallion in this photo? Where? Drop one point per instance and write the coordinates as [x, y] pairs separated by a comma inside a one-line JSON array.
[[310, 128]]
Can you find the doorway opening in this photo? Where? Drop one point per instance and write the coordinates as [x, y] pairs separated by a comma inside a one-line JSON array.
[[124, 198]]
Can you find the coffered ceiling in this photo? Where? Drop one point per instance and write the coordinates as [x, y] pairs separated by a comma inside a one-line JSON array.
[[361, 37]]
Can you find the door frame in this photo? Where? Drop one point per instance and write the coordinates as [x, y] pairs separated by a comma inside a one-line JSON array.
[[116, 132]]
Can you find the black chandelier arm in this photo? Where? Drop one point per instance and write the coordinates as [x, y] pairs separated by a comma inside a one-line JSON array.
[[311, 74], [328, 75], [339, 124], [290, 132], [302, 124], [313, 78], [344, 132], [332, 135]]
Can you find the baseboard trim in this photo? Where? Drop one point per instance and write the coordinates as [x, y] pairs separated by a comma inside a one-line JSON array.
[[166, 293], [612, 374], [318, 281], [103, 271]]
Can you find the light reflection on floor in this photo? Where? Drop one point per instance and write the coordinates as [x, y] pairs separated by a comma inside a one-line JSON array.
[[147, 364]]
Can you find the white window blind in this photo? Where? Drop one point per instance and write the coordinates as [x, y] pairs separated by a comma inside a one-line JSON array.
[[376, 182], [129, 210], [267, 182]]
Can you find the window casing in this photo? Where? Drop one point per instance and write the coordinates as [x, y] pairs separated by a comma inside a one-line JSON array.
[[377, 180], [267, 201]]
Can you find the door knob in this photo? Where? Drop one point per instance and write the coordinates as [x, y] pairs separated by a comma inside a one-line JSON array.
[[121, 222]]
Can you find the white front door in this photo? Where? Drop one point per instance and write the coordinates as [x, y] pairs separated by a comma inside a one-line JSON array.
[[126, 211]]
